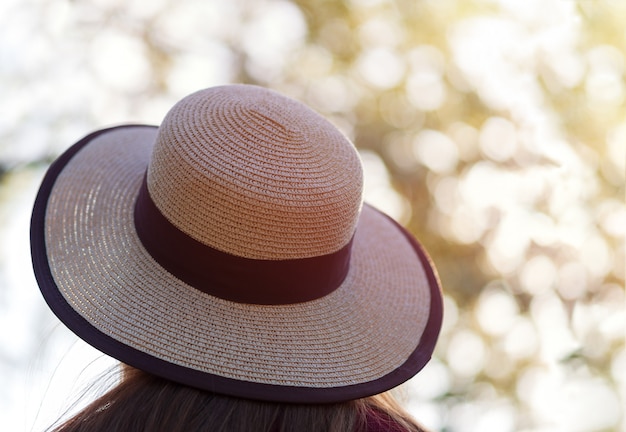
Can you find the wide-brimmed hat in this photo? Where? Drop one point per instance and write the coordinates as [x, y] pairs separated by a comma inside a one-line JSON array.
[[229, 250]]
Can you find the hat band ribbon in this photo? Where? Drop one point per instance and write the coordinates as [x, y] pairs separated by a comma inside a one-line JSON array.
[[232, 277]]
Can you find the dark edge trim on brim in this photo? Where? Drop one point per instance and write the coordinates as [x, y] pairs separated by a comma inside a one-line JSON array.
[[203, 380]]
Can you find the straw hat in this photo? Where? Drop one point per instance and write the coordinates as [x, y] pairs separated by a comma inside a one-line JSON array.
[[229, 250]]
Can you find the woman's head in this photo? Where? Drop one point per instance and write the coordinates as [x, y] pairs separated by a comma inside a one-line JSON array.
[[229, 250], [144, 402]]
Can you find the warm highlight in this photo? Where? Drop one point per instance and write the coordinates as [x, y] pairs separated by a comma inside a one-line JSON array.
[[144, 402]]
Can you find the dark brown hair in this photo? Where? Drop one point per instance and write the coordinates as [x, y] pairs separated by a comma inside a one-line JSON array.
[[144, 402]]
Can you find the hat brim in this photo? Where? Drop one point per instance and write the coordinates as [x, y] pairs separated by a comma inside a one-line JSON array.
[[374, 332]]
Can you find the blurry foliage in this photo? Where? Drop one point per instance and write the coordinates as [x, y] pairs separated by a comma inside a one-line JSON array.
[[502, 125]]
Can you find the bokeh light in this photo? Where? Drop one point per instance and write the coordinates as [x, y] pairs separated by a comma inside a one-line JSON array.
[[495, 130]]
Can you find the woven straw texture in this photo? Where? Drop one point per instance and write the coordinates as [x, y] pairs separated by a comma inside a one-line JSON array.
[[358, 333], [281, 180], [248, 200]]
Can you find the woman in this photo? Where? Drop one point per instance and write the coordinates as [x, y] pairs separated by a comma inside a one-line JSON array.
[[228, 259]]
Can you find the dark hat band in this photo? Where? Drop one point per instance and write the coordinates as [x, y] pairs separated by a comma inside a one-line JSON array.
[[232, 277]]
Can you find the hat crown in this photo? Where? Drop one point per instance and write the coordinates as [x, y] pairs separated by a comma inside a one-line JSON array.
[[253, 173]]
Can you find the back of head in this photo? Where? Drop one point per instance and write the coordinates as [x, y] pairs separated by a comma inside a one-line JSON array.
[[144, 402]]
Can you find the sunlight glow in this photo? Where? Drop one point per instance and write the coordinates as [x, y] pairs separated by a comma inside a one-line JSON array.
[[494, 128], [381, 67], [436, 150], [120, 61], [425, 86], [466, 353], [496, 312]]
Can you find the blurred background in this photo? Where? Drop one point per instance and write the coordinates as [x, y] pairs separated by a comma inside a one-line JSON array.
[[495, 130]]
